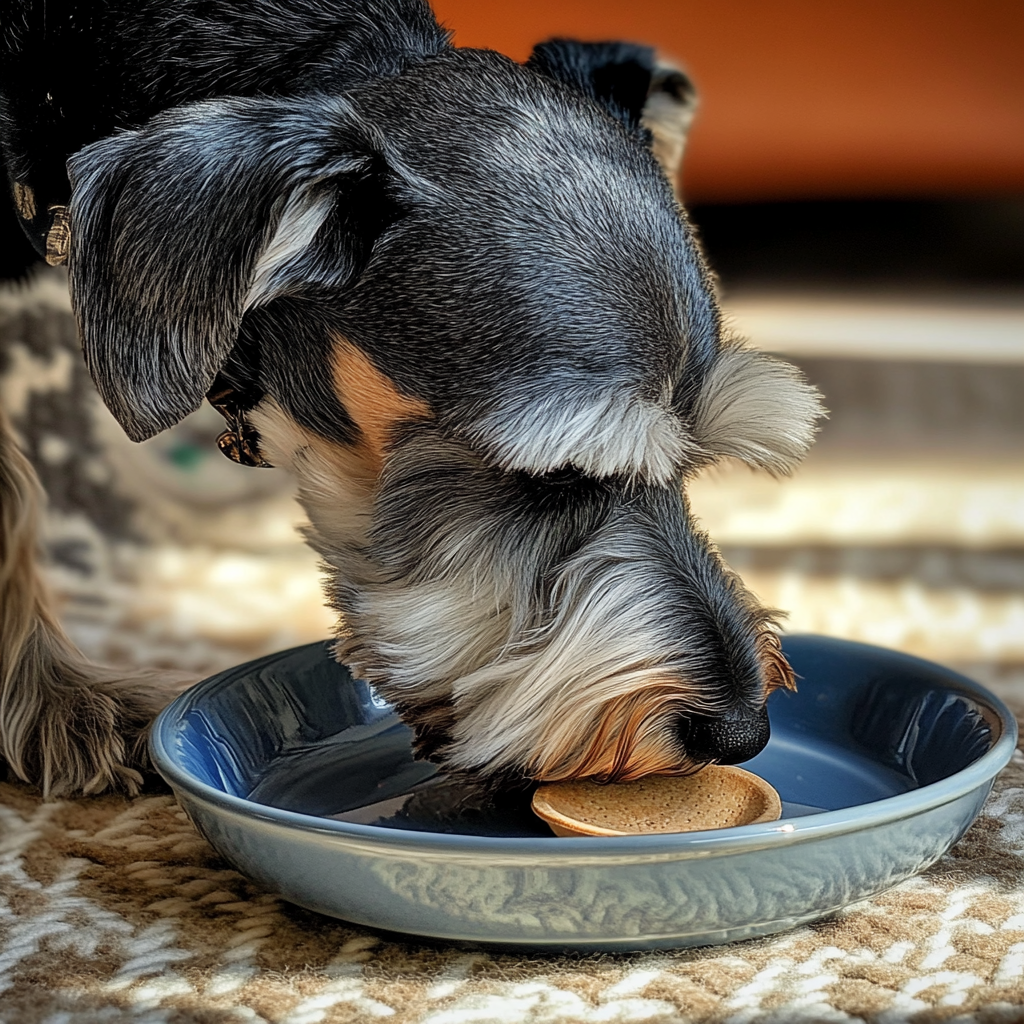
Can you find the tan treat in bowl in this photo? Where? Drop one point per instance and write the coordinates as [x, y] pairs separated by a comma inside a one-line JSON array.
[[720, 796]]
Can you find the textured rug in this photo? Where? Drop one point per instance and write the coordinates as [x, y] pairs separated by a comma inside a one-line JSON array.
[[113, 910], [164, 554]]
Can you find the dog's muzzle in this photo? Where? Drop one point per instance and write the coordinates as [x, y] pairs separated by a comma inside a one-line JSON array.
[[729, 738]]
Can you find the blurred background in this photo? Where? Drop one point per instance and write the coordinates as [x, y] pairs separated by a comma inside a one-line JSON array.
[[856, 173]]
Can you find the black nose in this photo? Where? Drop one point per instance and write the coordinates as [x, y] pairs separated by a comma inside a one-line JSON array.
[[729, 738]]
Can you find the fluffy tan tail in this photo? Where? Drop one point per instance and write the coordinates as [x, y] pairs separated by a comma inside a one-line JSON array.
[[66, 725]]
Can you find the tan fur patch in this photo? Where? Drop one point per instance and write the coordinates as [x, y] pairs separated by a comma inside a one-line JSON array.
[[372, 399], [631, 738], [777, 672], [285, 440]]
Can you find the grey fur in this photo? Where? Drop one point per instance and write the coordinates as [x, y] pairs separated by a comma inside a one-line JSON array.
[[165, 250], [514, 561], [505, 614]]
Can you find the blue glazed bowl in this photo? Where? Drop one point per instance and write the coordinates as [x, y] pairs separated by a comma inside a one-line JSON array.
[[304, 779]]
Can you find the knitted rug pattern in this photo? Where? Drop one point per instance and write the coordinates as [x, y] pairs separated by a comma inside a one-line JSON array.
[[116, 910]]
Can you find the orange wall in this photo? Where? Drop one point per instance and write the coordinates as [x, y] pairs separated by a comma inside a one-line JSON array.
[[814, 97]]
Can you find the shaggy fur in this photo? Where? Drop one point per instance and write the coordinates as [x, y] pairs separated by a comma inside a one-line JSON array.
[[67, 725], [457, 297]]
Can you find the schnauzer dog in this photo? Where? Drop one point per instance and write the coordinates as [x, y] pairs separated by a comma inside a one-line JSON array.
[[457, 298]]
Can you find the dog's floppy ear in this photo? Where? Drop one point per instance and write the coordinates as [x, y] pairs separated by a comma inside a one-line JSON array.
[[178, 228], [628, 81]]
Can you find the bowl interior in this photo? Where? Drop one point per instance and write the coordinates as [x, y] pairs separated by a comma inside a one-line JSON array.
[[295, 731]]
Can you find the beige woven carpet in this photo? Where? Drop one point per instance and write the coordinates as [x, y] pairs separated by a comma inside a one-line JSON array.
[[113, 910]]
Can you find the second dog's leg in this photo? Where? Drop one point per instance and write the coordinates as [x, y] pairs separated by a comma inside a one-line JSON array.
[[66, 725]]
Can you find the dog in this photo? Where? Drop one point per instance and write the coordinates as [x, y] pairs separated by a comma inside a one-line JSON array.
[[456, 297]]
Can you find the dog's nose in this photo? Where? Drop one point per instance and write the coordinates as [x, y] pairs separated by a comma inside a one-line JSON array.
[[729, 738]]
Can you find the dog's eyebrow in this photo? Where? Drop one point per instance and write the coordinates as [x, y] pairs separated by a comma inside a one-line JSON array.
[[756, 408], [371, 398], [601, 432]]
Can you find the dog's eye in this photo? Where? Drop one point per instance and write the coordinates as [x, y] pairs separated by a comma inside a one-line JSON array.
[[564, 477]]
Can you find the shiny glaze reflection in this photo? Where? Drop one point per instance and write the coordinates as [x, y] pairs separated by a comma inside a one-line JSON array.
[[294, 730], [311, 739]]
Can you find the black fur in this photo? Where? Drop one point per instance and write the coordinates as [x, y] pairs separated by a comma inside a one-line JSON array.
[[617, 75]]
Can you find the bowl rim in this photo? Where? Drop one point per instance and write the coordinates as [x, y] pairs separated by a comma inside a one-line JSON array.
[[676, 845]]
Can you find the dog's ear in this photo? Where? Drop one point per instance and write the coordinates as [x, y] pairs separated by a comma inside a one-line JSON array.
[[208, 210], [628, 81], [755, 408]]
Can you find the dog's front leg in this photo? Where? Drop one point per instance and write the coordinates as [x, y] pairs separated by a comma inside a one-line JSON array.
[[66, 725]]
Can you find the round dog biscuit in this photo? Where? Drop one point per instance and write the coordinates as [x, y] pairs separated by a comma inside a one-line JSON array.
[[720, 796]]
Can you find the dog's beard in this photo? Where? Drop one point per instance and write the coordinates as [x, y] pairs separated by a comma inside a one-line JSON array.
[[583, 692], [634, 735], [551, 702], [542, 637], [594, 685]]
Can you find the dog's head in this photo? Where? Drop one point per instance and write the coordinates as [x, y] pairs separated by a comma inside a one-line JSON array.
[[482, 335]]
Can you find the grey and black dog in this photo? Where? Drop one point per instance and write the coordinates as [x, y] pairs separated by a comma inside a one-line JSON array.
[[457, 298]]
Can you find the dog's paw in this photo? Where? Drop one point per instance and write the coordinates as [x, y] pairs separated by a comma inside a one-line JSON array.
[[85, 733]]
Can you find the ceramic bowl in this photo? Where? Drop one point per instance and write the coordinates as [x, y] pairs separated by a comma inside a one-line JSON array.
[[304, 779]]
